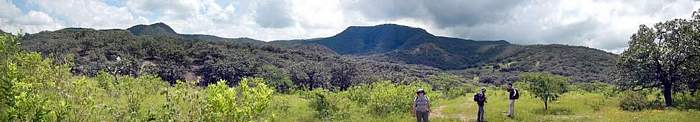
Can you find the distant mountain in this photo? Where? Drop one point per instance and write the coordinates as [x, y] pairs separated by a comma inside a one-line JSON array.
[[404, 44], [409, 45], [162, 29], [3, 32], [157, 29]]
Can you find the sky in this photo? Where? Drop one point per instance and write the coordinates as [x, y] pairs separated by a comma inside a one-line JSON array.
[[601, 24]]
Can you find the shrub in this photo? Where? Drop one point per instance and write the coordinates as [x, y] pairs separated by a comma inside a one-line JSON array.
[[637, 101], [321, 102], [633, 102], [384, 97], [241, 103], [687, 100]]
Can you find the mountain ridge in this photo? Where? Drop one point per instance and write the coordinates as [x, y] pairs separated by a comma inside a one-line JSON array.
[[162, 29], [410, 45], [493, 61]]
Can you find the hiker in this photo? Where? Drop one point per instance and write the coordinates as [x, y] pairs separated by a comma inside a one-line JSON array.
[[480, 99], [421, 106], [512, 96]]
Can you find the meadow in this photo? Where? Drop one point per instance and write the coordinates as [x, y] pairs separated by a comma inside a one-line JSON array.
[[572, 106]]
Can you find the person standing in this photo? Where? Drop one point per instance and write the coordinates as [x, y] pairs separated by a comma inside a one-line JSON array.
[[480, 99], [421, 106], [512, 96]]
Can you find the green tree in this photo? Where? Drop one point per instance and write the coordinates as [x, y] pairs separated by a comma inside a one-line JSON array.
[[276, 77], [664, 56], [545, 86], [8, 49]]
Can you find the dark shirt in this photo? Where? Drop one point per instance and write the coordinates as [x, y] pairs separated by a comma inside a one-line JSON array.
[[511, 93], [480, 99]]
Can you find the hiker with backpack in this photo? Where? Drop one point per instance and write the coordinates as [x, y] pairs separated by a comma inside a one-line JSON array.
[[421, 106], [480, 99], [512, 96]]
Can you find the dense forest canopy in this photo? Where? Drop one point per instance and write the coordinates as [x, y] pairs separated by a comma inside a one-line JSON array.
[[175, 58], [391, 52]]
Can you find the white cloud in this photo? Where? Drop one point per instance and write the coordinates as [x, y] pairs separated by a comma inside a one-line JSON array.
[[14, 21], [604, 25], [87, 13]]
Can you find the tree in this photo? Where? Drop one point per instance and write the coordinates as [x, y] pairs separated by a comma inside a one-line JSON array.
[[664, 56], [276, 77], [545, 86], [8, 48], [310, 75]]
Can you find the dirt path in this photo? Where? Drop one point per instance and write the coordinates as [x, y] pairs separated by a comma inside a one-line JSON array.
[[438, 113]]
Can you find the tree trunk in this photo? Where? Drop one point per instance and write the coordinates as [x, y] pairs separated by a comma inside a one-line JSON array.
[[668, 92], [545, 105]]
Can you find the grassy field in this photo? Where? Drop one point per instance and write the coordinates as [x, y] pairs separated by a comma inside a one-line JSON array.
[[572, 106]]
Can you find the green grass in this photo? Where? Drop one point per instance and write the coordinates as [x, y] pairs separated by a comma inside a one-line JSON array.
[[572, 106]]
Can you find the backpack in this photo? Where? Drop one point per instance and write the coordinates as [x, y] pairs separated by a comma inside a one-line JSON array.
[[478, 97], [517, 94], [422, 103]]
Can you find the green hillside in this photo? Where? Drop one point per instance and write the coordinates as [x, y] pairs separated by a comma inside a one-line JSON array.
[[408, 45]]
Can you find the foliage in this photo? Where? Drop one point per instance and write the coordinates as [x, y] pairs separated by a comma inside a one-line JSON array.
[[178, 57], [382, 98], [39, 90], [276, 78], [547, 87], [663, 56], [451, 85], [241, 103], [687, 100], [637, 101], [328, 106]]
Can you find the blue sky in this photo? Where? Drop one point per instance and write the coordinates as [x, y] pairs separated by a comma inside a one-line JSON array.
[[602, 24]]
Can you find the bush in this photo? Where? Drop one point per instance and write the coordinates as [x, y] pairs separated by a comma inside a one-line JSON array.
[[637, 101], [382, 98], [326, 104], [241, 103], [687, 100]]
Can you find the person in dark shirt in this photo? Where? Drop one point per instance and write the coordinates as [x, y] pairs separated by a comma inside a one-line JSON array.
[[512, 96], [480, 99]]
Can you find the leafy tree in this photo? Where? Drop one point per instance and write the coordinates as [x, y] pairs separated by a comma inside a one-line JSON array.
[[9, 47], [311, 75], [545, 86], [664, 56], [276, 78]]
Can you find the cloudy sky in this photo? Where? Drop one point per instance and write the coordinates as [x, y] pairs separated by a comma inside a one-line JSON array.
[[602, 24]]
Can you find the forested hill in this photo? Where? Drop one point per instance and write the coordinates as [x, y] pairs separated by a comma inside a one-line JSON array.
[[409, 45], [142, 50], [357, 54], [161, 29]]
